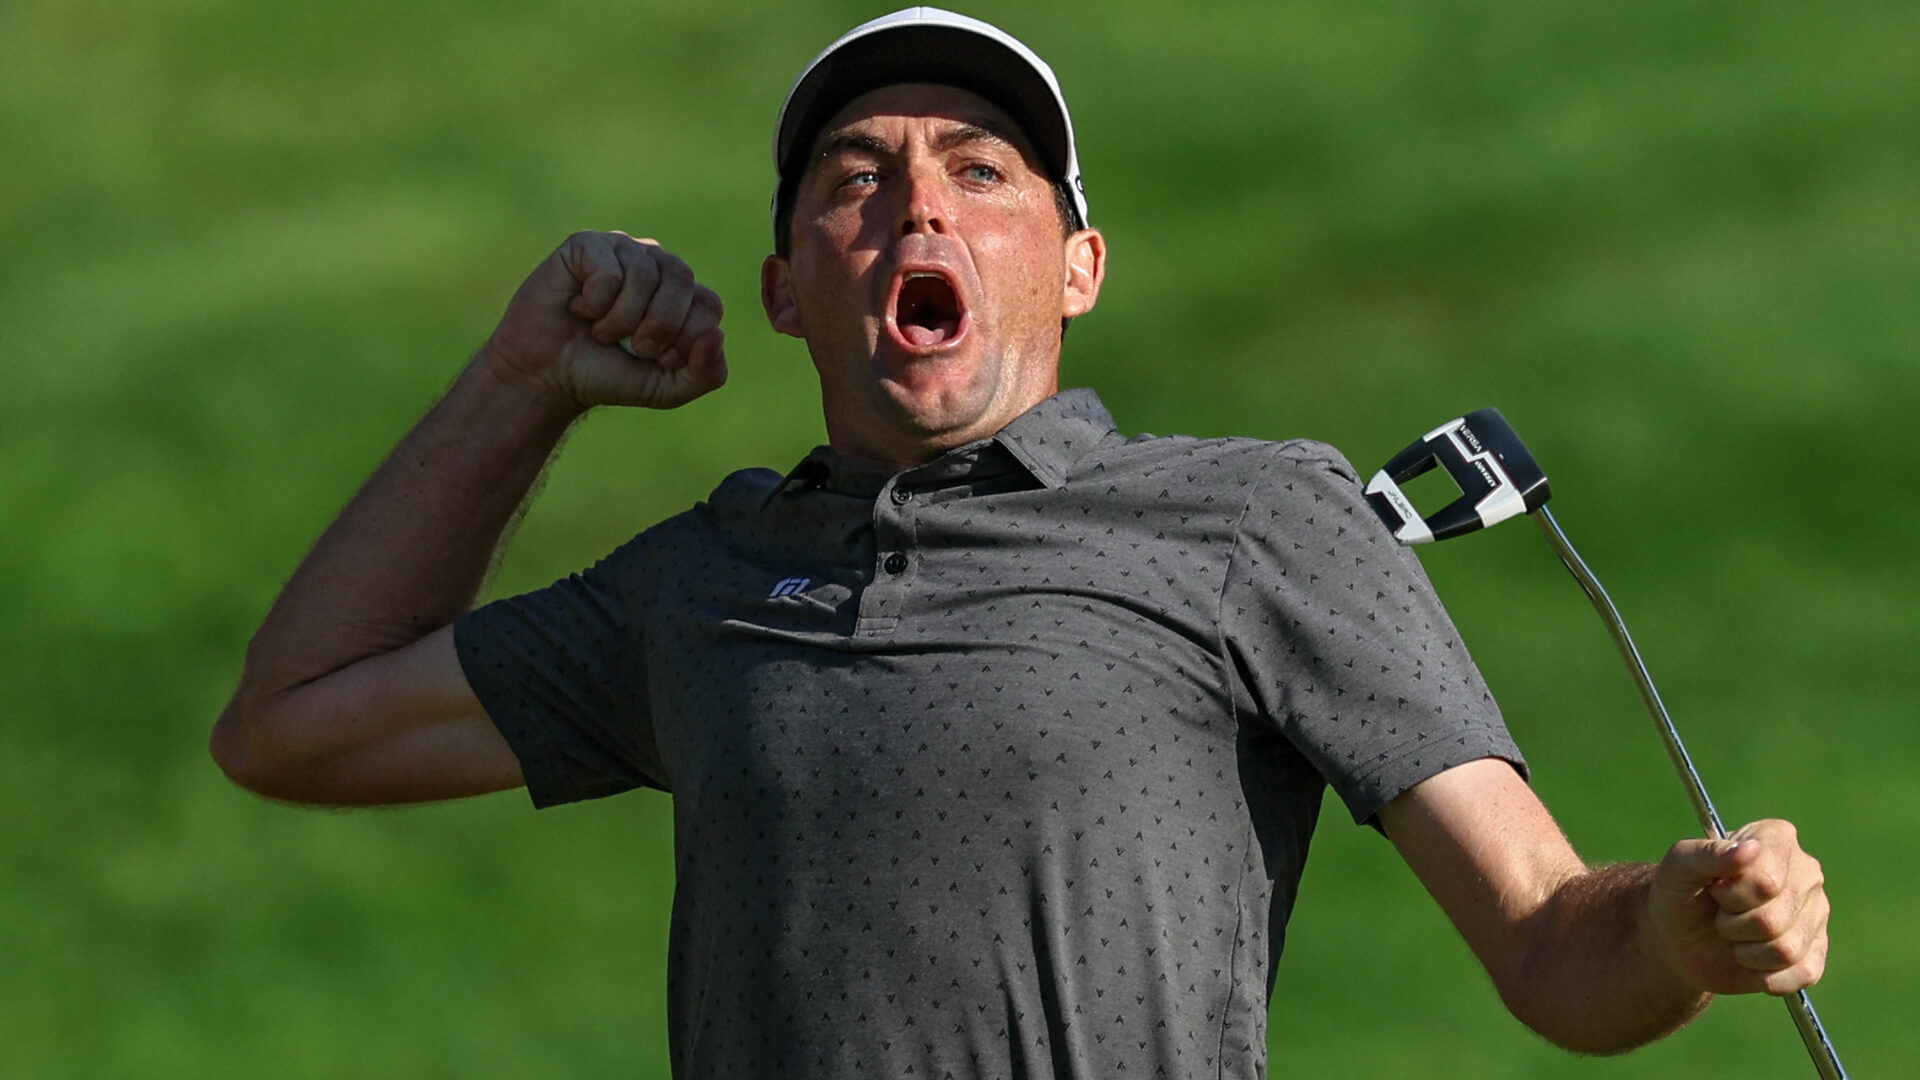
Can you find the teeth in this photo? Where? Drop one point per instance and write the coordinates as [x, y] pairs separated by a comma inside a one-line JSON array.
[[921, 274]]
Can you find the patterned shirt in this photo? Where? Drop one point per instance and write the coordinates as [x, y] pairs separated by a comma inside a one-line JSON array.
[[1002, 766]]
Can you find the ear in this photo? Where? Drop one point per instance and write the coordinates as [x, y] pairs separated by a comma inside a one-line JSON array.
[[1086, 269], [776, 296]]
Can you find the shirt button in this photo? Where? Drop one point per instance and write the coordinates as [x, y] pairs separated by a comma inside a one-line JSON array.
[[896, 563], [901, 496]]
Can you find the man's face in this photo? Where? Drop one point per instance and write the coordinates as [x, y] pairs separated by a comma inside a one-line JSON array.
[[929, 273]]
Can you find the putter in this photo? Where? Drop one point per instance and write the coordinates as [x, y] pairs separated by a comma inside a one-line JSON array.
[[1499, 479]]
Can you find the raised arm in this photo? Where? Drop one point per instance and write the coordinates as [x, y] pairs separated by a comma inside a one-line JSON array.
[[1604, 959], [351, 692]]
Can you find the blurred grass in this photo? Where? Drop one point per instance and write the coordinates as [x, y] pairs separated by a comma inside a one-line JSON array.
[[1677, 243]]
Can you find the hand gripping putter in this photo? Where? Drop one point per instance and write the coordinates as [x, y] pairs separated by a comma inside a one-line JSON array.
[[1500, 479]]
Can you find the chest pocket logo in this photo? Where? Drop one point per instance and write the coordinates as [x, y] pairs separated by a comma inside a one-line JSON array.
[[789, 587]]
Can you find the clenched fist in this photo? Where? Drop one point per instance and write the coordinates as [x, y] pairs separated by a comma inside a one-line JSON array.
[[1743, 915], [608, 319]]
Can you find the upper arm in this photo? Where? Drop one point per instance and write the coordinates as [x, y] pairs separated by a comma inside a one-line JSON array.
[[1484, 846], [397, 727], [1338, 636]]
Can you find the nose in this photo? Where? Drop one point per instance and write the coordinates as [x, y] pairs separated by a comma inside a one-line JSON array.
[[925, 209]]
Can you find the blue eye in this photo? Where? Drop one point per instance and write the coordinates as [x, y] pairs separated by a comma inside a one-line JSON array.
[[982, 172]]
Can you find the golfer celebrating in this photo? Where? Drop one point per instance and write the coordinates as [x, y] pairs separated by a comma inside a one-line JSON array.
[[995, 738]]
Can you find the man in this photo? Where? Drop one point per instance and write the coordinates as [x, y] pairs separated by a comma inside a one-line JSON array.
[[995, 738]]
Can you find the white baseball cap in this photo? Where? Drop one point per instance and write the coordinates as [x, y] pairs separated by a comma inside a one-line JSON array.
[[926, 44]]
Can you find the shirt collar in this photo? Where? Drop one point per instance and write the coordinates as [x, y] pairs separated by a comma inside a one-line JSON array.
[[1045, 441], [1050, 437]]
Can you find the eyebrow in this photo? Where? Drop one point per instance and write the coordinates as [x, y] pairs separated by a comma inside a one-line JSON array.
[[850, 140], [958, 135], [971, 132]]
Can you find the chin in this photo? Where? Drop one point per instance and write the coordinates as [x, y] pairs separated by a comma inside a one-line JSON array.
[[947, 422]]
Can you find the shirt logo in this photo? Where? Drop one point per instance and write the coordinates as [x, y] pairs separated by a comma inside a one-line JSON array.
[[789, 587]]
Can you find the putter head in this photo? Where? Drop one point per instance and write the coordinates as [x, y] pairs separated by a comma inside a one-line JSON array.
[[1498, 478]]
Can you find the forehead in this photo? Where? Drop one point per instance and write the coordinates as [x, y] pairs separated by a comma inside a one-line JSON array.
[[928, 102]]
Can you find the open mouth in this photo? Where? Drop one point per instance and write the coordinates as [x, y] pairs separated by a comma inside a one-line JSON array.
[[927, 311]]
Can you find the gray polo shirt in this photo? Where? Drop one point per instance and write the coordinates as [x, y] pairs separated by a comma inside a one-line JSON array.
[[1003, 766]]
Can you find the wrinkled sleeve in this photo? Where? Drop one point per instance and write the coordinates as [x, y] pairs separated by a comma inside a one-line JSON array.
[[1338, 639], [562, 673]]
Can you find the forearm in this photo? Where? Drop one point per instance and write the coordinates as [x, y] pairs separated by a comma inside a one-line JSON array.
[[1586, 971], [409, 552], [1571, 949], [352, 691]]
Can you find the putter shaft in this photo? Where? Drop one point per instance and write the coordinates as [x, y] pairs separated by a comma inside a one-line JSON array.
[[1617, 629], [1825, 1060]]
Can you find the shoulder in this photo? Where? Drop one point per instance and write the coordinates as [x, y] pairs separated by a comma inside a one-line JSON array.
[[1261, 464], [1297, 493], [745, 490], [688, 535], [738, 499], [1305, 483], [1312, 467]]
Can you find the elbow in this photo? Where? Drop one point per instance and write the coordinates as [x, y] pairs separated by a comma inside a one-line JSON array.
[[240, 748], [231, 748], [1585, 1009], [1580, 1035]]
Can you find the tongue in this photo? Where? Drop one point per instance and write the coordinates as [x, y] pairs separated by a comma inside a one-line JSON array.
[[923, 336]]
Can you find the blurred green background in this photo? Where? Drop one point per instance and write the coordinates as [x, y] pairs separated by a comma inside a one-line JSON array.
[[245, 244]]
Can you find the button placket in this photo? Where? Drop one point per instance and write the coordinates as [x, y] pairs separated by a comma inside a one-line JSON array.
[[893, 525], [893, 536]]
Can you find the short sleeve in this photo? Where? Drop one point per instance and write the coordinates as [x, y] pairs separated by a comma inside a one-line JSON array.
[[1339, 639], [562, 673]]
